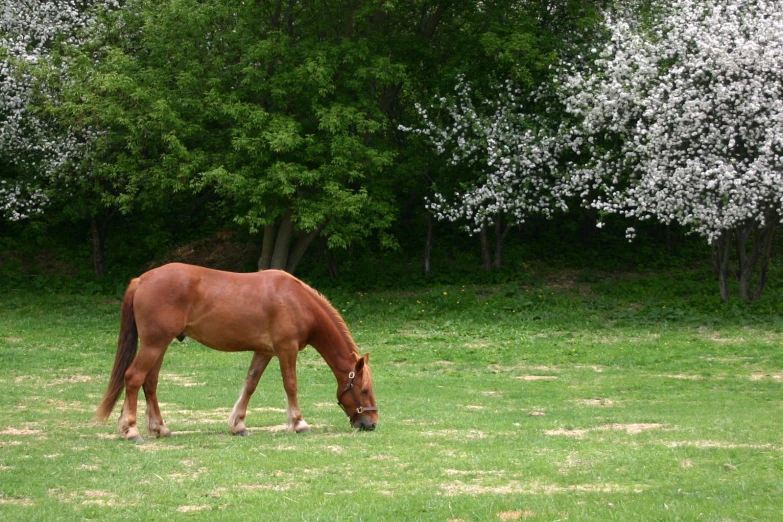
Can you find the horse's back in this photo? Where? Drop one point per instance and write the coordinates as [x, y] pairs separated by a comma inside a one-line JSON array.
[[224, 310]]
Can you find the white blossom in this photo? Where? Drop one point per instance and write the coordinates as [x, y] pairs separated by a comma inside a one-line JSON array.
[[514, 154], [31, 141], [696, 105]]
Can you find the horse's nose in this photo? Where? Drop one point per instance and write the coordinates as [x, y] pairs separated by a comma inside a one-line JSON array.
[[369, 426]]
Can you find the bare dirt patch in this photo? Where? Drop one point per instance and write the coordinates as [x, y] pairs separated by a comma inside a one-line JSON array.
[[568, 432], [597, 401], [683, 376], [536, 377], [514, 515], [222, 252], [469, 434], [90, 497], [286, 486], [631, 429], [514, 487], [708, 444], [15, 431], [778, 377], [70, 379], [186, 381], [191, 509], [499, 368], [15, 501]]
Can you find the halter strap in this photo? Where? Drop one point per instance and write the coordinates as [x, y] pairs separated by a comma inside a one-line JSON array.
[[359, 407]]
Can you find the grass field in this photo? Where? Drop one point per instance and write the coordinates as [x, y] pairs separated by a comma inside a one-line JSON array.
[[557, 401]]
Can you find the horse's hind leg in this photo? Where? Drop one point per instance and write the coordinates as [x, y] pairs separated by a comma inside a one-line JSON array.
[[288, 369], [155, 424], [135, 377], [237, 419]]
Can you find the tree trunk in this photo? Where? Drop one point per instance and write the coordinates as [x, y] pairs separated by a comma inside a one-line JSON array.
[[98, 232], [428, 246], [300, 248], [486, 257], [720, 258], [767, 236], [334, 270], [746, 263], [501, 232], [276, 249], [268, 247], [282, 242], [587, 226]]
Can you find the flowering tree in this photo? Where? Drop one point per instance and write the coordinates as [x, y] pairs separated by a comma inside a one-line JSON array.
[[33, 145], [677, 118], [516, 156], [684, 124]]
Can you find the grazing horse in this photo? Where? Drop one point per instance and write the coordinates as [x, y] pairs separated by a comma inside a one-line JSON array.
[[269, 313]]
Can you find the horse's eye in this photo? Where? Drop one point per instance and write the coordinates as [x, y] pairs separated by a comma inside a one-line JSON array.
[[364, 392]]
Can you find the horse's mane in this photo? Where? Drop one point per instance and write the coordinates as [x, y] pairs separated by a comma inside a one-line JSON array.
[[332, 312]]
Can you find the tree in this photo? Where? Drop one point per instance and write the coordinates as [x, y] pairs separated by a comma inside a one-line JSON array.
[[517, 158], [273, 105], [503, 160], [41, 148], [682, 116], [676, 116], [33, 143]]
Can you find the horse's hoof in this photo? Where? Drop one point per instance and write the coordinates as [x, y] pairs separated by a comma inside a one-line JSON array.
[[241, 433], [137, 439], [306, 429]]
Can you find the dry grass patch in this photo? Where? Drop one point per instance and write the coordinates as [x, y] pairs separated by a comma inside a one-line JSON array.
[[500, 368], [630, 429], [186, 381], [70, 379], [514, 515], [15, 501], [19, 432], [458, 434], [709, 444], [778, 377], [598, 401], [515, 487], [191, 509], [682, 376]]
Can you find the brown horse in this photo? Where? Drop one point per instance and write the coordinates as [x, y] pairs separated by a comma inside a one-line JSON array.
[[269, 313]]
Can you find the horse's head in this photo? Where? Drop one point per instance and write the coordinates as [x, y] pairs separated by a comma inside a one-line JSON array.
[[357, 398]]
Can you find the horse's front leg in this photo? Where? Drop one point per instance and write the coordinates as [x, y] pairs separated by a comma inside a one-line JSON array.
[[237, 419], [155, 424], [135, 377], [288, 368]]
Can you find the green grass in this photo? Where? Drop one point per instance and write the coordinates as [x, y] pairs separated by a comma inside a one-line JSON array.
[[619, 400]]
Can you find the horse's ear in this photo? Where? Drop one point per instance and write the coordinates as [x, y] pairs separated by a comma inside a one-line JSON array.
[[361, 362]]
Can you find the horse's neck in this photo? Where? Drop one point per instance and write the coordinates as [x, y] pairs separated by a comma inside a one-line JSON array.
[[338, 352]]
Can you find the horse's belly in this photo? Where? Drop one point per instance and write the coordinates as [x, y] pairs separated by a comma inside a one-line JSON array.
[[229, 335]]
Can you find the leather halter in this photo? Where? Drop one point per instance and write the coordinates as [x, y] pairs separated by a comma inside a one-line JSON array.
[[359, 408]]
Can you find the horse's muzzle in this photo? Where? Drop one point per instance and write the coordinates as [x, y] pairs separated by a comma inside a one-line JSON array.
[[364, 423]]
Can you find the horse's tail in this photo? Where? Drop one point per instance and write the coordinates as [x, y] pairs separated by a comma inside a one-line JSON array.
[[126, 352]]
